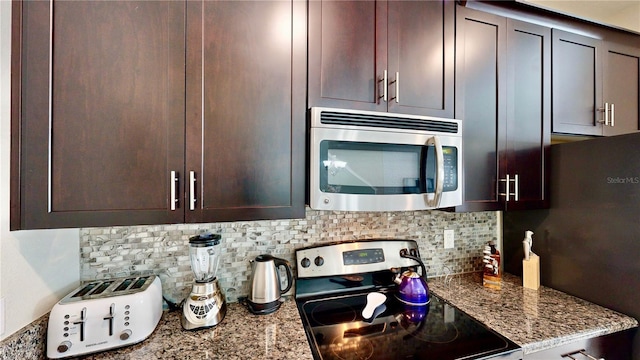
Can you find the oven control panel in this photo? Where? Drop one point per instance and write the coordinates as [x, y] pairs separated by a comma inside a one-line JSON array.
[[352, 257]]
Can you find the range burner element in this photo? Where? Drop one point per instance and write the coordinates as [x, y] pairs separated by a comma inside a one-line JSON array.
[[331, 310], [352, 348]]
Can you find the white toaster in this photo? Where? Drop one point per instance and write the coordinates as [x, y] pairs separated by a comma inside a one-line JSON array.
[[104, 314]]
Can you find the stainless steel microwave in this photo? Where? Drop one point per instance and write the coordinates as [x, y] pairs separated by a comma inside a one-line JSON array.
[[374, 161]]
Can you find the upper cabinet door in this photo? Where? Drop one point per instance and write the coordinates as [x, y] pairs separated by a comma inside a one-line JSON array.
[[421, 57], [621, 88], [245, 110], [347, 54], [102, 112], [577, 84], [480, 104], [392, 56], [528, 115], [595, 84]]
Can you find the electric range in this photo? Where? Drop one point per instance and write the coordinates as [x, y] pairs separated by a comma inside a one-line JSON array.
[[333, 282]]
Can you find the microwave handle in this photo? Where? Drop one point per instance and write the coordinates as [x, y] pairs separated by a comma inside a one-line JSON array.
[[435, 202]]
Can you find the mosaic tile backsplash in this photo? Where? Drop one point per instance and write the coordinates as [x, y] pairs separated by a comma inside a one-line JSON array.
[[164, 249]]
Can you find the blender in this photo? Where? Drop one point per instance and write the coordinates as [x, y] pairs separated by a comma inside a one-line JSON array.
[[205, 306]]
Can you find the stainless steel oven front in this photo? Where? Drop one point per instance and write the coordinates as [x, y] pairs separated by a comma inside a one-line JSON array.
[[373, 161]]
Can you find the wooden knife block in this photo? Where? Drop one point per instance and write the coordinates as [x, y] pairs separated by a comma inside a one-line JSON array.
[[531, 272]]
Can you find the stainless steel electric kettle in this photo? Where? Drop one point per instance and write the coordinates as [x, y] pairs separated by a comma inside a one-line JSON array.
[[265, 291]]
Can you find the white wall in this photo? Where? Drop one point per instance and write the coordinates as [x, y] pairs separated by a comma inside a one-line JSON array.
[[37, 268], [620, 13], [627, 18]]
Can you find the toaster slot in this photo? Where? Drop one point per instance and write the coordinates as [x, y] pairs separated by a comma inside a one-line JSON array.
[[85, 289], [100, 289], [139, 283], [124, 285]]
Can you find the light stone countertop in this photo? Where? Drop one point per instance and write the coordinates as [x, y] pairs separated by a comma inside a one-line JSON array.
[[241, 335], [534, 319]]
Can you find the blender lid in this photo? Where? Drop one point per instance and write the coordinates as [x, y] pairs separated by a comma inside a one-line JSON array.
[[206, 239]]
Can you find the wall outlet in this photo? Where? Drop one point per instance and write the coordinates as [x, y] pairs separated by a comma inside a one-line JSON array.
[[448, 239]]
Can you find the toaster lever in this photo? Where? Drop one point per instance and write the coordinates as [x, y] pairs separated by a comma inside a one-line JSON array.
[[109, 317], [83, 318]]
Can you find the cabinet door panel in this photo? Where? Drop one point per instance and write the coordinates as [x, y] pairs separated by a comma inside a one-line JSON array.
[[102, 112], [347, 54], [616, 346], [529, 111], [622, 71], [420, 44], [577, 88], [246, 128], [480, 104]]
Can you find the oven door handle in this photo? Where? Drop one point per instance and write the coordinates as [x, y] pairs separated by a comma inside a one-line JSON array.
[[435, 201]]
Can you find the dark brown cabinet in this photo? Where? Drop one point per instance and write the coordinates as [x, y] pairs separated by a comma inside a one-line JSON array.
[[394, 56], [528, 116], [480, 104], [110, 119], [621, 92], [595, 85], [503, 98], [615, 346], [577, 84], [99, 112], [246, 77]]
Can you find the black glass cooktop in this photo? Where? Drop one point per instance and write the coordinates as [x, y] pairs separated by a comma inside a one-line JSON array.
[[336, 329]]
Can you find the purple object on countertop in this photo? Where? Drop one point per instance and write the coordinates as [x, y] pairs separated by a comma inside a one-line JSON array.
[[412, 288]]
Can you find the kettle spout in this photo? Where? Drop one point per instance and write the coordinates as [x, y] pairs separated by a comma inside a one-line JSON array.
[[397, 277]]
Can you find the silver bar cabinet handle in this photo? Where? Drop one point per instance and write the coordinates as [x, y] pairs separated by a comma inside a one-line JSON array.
[[174, 190], [397, 87], [582, 352], [384, 80], [507, 185], [396, 97], [613, 115], [508, 192], [605, 109], [192, 190], [515, 184]]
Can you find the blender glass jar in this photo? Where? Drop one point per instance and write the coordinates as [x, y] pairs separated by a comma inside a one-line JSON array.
[[204, 253]]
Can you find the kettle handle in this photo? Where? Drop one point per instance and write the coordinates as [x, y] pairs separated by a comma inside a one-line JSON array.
[[419, 261], [281, 262]]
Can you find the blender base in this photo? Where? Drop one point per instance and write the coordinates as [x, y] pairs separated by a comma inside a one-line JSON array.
[[204, 307]]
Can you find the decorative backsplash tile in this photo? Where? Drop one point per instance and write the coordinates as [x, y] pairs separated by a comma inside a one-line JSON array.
[[163, 249]]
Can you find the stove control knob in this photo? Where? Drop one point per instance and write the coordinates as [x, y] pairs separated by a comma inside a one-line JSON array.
[[125, 335], [64, 346], [319, 261], [305, 262]]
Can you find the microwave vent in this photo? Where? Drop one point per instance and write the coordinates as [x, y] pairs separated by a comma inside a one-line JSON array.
[[388, 122]]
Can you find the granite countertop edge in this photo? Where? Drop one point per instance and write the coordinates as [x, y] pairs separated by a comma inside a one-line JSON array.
[[536, 320]]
